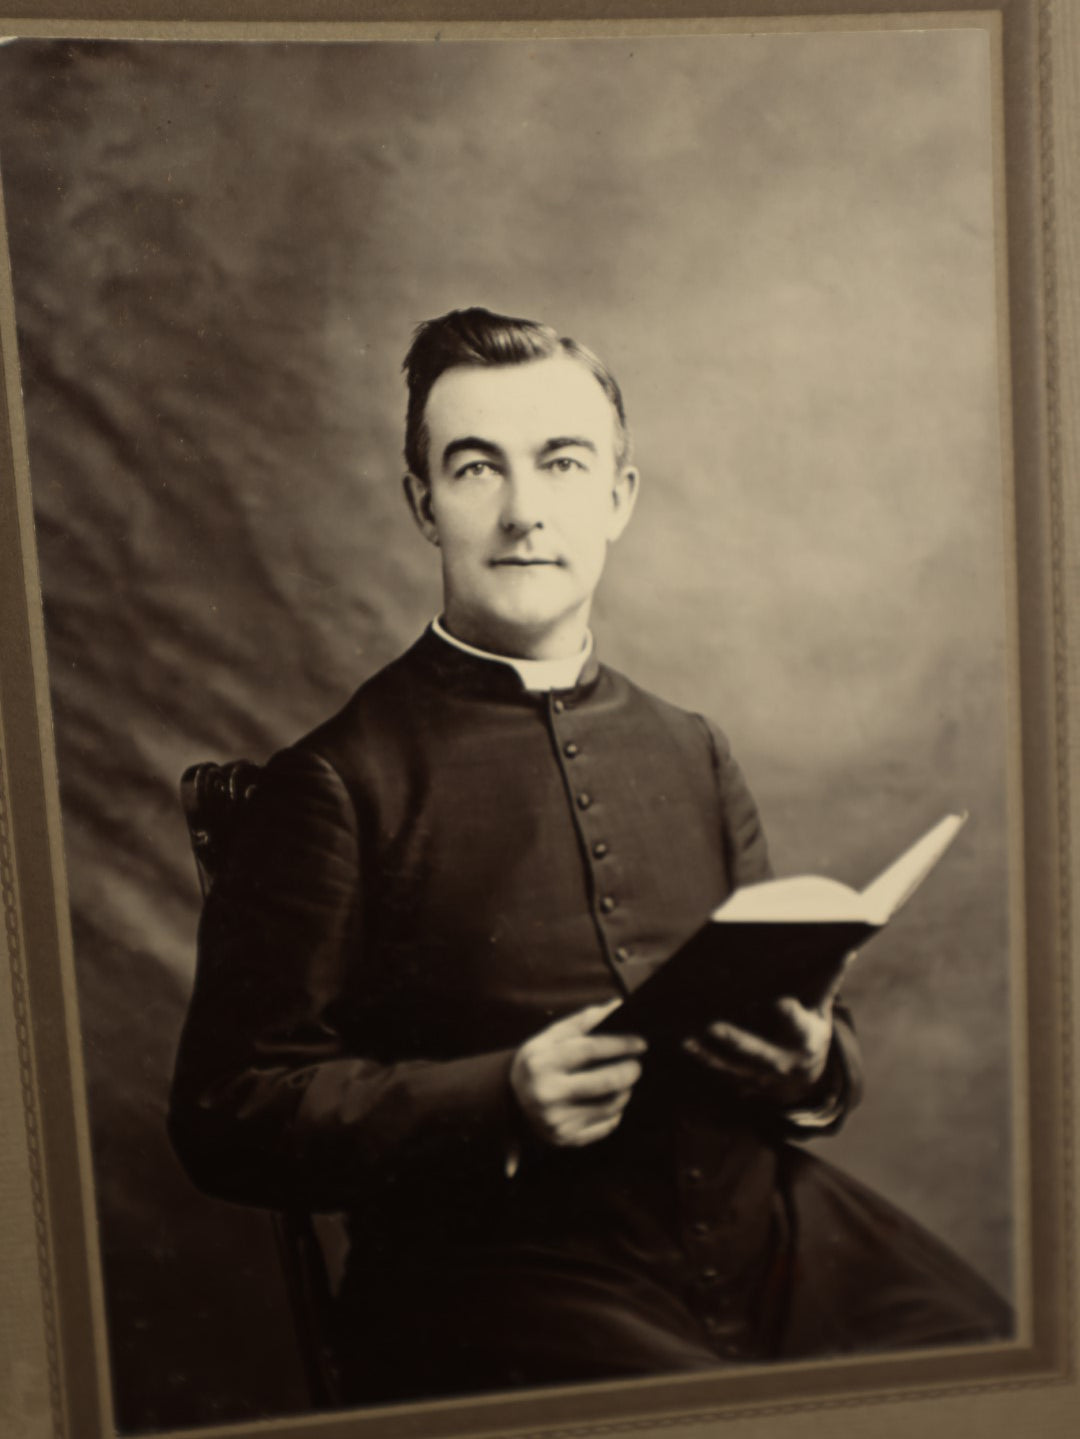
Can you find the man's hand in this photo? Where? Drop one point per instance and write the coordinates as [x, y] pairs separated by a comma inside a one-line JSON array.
[[573, 1086], [782, 1072]]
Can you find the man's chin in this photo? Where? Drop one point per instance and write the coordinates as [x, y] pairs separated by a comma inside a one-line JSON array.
[[539, 603], [524, 631]]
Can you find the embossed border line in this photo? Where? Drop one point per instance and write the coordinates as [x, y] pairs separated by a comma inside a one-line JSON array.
[[45, 1021]]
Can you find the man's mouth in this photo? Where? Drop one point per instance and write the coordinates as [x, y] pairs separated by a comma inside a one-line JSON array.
[[525, 561]]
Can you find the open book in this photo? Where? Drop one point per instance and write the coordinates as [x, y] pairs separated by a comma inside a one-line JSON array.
[[781, 937]]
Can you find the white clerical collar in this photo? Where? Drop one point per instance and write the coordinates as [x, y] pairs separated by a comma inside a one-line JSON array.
[[561, 674]]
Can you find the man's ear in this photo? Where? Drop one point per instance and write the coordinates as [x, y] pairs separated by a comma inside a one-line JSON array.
[[418, 494], [624, 493]]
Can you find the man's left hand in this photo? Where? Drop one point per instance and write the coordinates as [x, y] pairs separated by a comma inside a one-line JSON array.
[[782, 1072]]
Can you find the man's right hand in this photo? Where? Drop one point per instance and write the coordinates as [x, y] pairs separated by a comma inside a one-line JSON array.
[[572, 1086]]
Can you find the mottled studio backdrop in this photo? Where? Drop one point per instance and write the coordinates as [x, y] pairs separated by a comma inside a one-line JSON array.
[[784, 247]]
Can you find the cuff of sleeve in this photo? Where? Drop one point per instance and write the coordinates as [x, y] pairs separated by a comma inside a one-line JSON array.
[[837, 1092], [361, 1123]]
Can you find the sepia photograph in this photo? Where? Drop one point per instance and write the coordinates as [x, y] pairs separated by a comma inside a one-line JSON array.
[[521, 530]]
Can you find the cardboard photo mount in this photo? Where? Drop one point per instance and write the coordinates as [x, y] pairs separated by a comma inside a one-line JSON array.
[[54, 1378]]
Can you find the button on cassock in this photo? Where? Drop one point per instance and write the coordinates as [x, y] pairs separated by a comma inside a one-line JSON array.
[[607, 904], [584, 800], [571, 750]]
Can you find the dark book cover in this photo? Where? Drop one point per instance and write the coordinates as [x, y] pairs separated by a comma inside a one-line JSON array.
[[784, 937]]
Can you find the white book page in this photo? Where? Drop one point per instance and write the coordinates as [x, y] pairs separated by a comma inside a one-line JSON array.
[[811, 898], [801, 899], [902, 878]]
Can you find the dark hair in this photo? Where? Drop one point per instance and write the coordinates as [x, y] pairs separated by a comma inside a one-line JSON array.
[[478, 337]]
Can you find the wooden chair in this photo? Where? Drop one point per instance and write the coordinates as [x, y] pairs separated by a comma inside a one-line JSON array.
[[212, 797]]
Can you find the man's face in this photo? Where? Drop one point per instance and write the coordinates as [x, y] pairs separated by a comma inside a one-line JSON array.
[[523, 498]]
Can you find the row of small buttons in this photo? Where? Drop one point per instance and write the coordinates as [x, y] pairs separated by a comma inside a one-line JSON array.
[[600, 849], [608, 902], [708, 1273]]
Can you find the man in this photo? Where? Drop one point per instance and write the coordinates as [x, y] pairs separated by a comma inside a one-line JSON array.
[[437, 895]]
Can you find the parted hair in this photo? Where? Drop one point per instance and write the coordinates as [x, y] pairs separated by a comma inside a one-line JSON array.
[[478, 337]]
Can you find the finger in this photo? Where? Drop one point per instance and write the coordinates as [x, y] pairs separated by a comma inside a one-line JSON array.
[[834, 988], [592, 1111], [589, 1049], [807, 1025], [582, 1020], [567, 1117], [747, 1047], [592, 1132], [730, 1064], [824, 1005], [565, 1120], [610, 1079], [556, 1088]]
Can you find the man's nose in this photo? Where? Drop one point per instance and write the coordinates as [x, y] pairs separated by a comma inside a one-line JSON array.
[[523, 502]]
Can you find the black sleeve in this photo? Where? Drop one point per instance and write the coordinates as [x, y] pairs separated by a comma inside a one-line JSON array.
[[839, 1089], [268, 1105], [747, 856]]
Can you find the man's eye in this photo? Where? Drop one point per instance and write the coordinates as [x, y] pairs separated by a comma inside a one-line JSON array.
[[476, 469], [563, 464]]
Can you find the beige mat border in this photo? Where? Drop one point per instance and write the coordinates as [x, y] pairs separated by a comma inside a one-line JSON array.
[[53, 1364]]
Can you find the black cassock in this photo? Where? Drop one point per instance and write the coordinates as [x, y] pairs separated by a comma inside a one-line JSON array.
[[424, 882]]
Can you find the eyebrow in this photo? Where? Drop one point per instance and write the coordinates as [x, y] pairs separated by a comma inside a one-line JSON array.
[[567, 442], [469, 442], [474, 444]]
